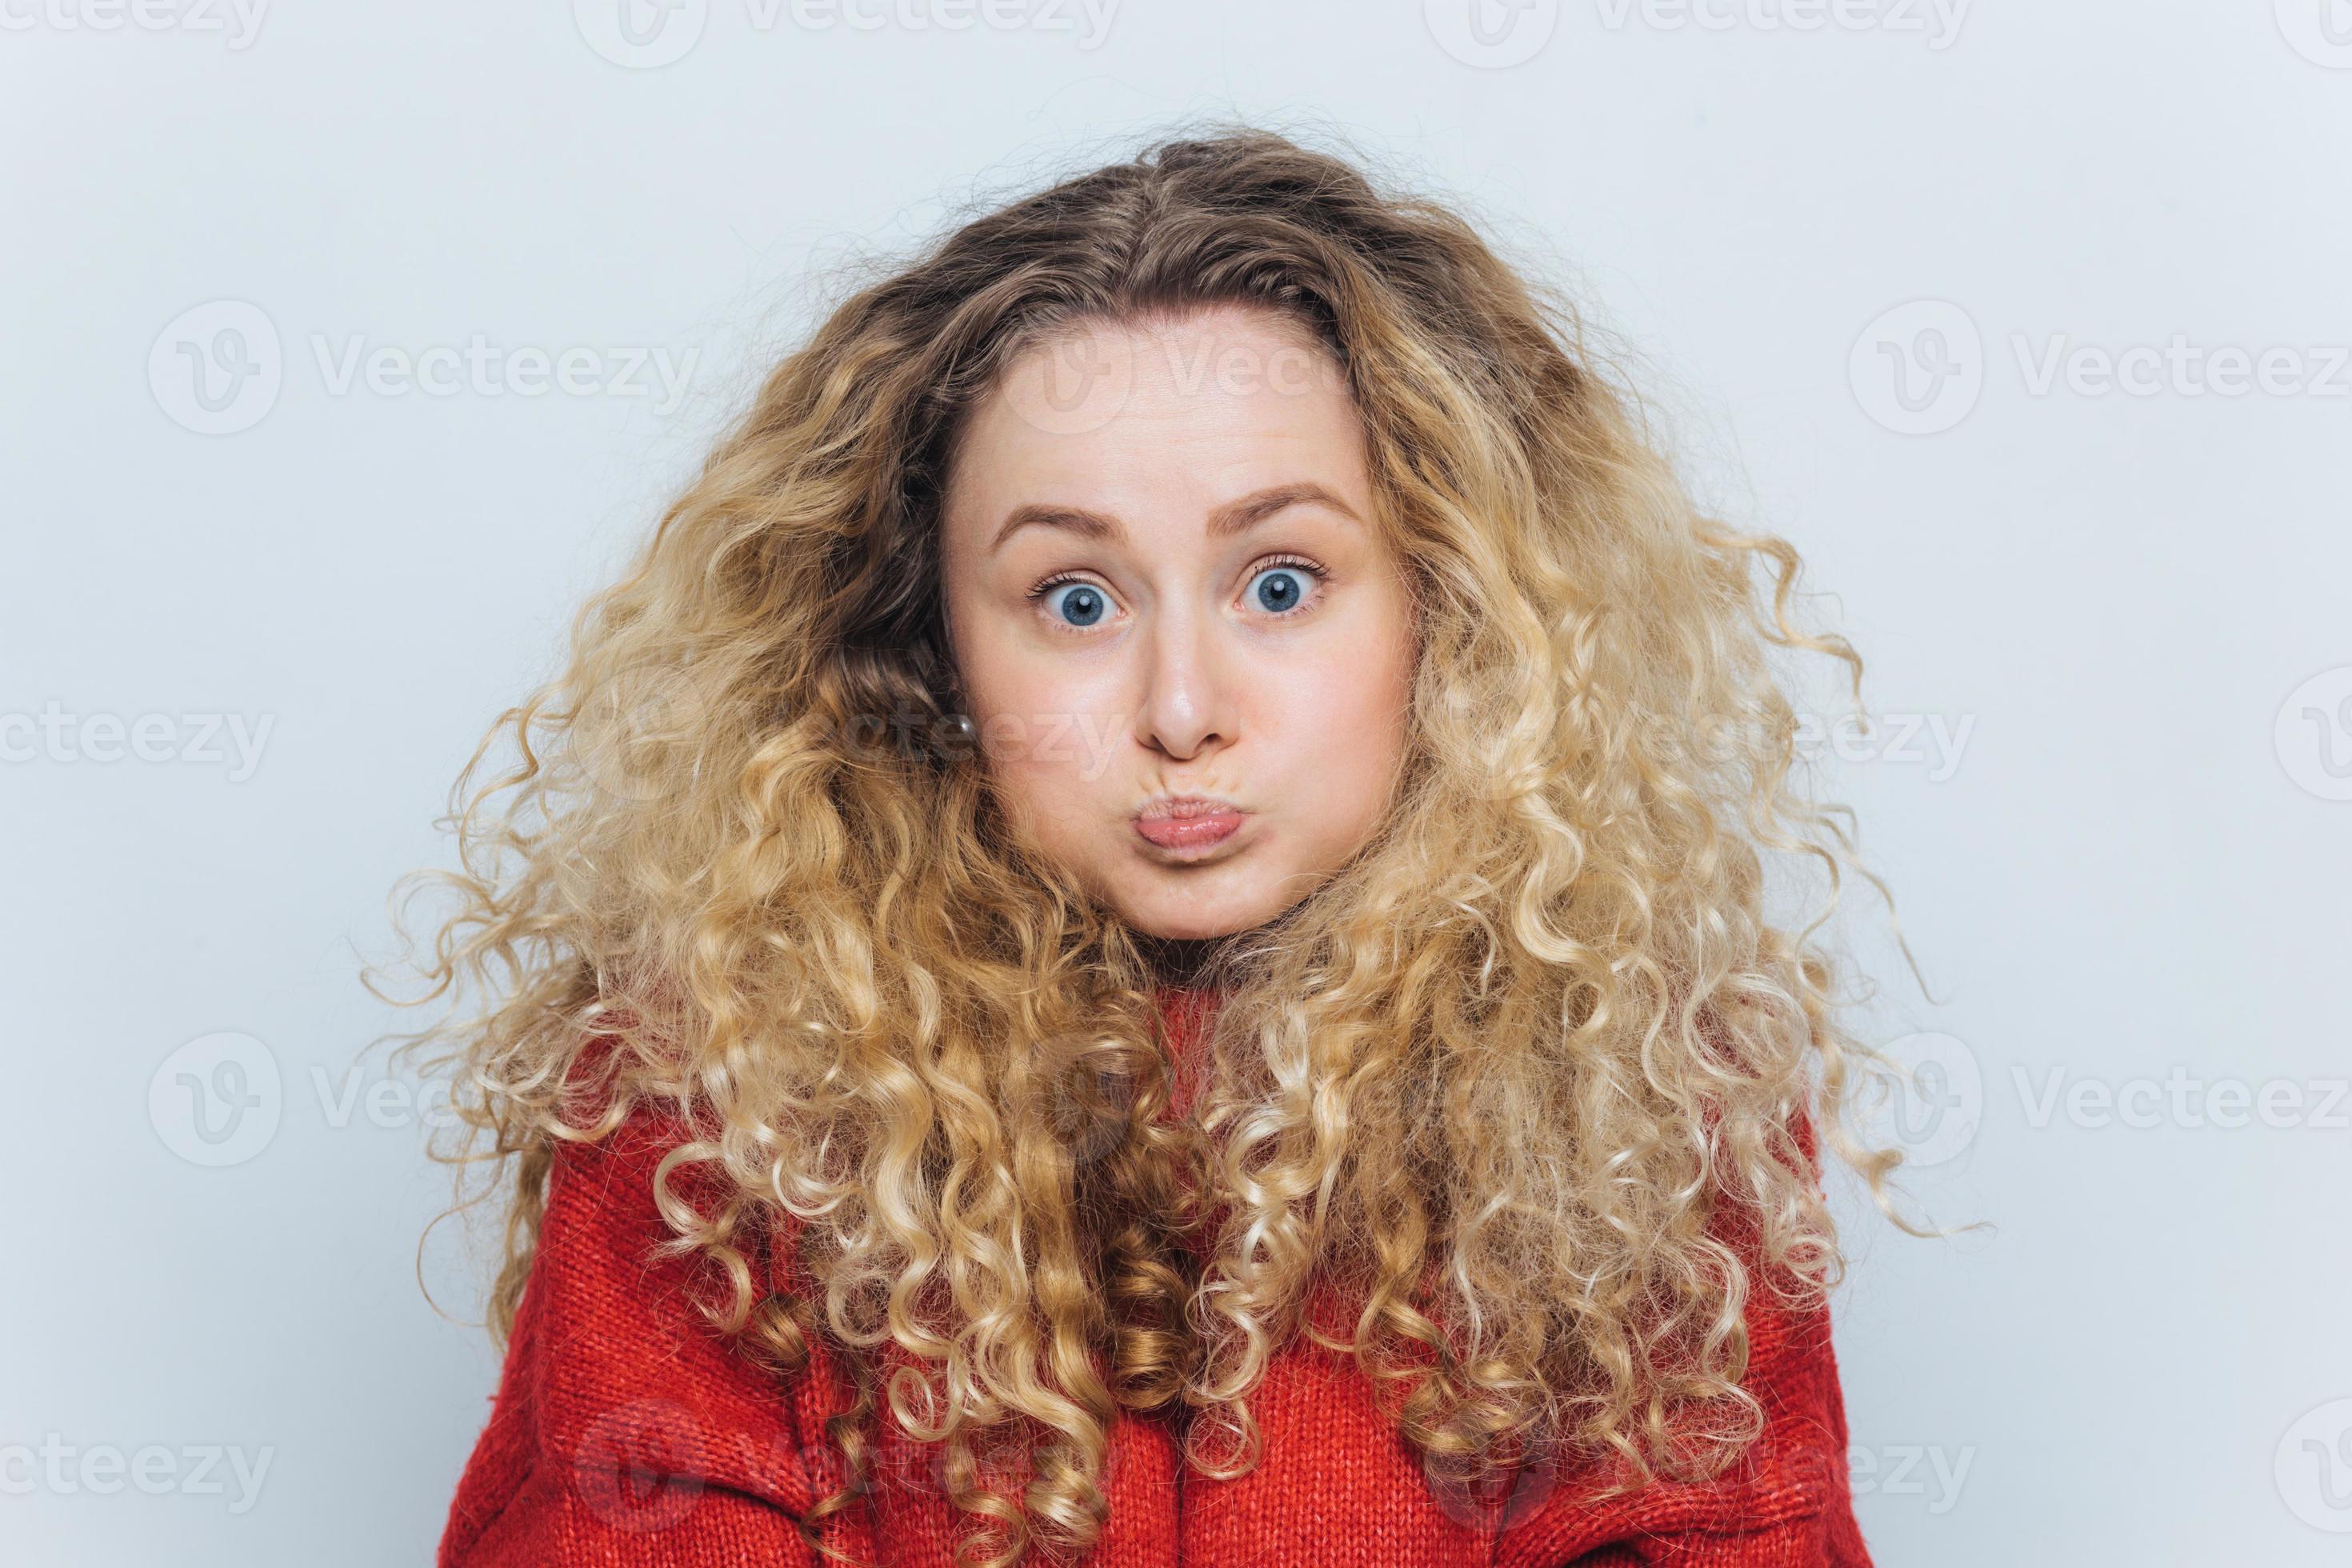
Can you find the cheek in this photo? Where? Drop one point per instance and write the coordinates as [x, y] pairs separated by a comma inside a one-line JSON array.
[[1046, 727], [1341, 725]]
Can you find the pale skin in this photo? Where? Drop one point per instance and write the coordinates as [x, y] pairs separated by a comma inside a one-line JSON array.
[[1164, 580]]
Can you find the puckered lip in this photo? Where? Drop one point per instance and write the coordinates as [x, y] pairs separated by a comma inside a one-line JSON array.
[[1162, 807]]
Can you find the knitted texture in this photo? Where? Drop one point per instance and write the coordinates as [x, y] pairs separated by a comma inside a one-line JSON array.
[[624, 1430]]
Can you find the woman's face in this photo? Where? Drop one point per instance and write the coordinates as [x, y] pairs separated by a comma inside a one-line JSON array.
[[1188, 651]]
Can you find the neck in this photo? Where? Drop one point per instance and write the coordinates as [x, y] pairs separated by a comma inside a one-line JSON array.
[[1188, 961]]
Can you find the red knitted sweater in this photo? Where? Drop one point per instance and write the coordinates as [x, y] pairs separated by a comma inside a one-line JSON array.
[[625, 1431]]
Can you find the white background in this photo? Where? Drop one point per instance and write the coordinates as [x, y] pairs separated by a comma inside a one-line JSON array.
[[2129, 860]]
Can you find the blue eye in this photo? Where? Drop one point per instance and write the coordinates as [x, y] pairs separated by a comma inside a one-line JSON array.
[[1083, 605], [1278, 589]]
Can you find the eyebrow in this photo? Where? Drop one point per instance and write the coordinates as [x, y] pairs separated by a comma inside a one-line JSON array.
[[1234, 517]]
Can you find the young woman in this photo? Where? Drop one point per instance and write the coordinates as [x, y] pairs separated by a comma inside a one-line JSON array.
[[1138, 936]]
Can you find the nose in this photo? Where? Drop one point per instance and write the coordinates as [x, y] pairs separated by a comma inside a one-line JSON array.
[[1187, 708]]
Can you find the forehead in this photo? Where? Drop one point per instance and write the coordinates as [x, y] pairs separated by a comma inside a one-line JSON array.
[[1168, 411]]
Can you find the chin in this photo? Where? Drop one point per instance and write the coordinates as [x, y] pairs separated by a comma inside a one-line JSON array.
[[1195, 922], [1189, 930]]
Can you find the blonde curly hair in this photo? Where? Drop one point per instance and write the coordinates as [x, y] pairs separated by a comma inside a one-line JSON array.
[[1493, 1080]]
